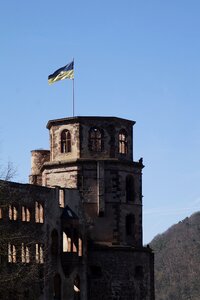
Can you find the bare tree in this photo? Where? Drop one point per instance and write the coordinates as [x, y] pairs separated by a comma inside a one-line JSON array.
[[7, 172]]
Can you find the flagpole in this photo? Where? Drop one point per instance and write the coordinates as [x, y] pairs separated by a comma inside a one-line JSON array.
[[73, 91], [73, 97]]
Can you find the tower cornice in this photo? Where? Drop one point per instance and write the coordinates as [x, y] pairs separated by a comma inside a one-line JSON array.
[[80, 119]]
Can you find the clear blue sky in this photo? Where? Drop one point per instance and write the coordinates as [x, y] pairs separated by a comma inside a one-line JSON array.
[[138, 60]]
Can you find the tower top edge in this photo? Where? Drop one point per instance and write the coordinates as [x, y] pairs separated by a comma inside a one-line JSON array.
[[86, 118]]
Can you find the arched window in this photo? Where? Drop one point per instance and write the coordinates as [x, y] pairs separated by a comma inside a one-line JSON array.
[[65, 141], [95, 139], [130, 189], [67, 243], [25, 254], [61, 198], [123, 144], [12, 212], [54, 242], [39, 254], [77, 288], [57, 287], [39, 213], [26, 216], [130, 224], [12, 253]]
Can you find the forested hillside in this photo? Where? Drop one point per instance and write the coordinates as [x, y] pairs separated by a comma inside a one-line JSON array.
[[177, 261]]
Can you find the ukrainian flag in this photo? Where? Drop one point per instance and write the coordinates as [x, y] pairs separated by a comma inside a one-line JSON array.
[[62, 73]]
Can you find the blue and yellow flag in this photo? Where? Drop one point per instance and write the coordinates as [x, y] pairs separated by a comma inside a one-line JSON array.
[[62, 73]]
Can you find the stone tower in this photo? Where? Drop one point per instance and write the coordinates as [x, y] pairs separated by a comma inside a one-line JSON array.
[[94, 155]]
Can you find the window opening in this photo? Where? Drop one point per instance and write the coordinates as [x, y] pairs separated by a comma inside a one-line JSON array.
[[139, 272], [95, 140], [12, 212], [57, 287], [12, 253], [130, 224], [26, 216], [69, 241], [39, 255], [77, 288], [130, 189], [65, 141], [25, 254], [61, 198], [123, 144], [74, 248], [66, 243], [39, 213]]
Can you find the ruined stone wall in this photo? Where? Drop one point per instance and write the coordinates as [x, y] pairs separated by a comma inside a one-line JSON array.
[[64, 175], [42, 233], [120, 274], [111, 228], [24, 229], [108, 223]]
